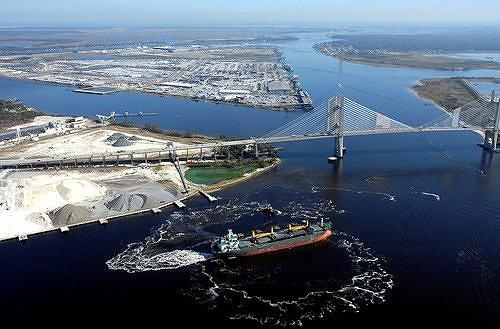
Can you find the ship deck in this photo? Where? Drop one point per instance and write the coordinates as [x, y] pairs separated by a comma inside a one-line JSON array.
[[280, 235]]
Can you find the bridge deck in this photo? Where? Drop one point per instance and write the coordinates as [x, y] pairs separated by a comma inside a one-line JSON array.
[[163, 153]]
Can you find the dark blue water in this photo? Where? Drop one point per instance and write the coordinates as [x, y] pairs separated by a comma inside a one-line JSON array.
[[415, 216]]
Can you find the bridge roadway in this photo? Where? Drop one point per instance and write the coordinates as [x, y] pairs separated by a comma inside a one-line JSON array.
[[164, 153]]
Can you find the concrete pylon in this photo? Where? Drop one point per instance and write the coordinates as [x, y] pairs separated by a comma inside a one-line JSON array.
[[491, 135], [496, 130], [335, 124]]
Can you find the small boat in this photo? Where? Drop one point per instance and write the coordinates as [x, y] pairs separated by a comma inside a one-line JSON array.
[[270, 211], [295, 235]]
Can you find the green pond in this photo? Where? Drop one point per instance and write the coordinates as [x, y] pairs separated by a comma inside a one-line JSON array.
[[213, 175]]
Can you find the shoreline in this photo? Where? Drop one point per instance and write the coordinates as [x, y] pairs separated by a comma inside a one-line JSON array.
[[280, 108], [194, 191], [414, 67], [228, 183], [414, 93], [445, 93]]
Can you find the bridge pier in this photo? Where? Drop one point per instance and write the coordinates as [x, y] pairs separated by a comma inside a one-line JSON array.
[[491, 135], [335, 125], [338, 148]]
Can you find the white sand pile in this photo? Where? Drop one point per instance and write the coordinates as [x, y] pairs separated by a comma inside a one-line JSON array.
[[13, 223], [34, 201], [25, 196], [44, 192]]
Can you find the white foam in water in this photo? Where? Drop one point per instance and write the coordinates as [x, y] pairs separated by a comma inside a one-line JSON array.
[[220, 286], [143, 256], [438, 198], [133, 261], [316, 189], [387, 195], [369, 284]]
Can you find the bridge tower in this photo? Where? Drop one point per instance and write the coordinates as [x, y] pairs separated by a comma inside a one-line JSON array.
[[335, 124], [491, 135]]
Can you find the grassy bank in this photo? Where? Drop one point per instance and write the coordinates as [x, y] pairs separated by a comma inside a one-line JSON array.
[[209, 173], [214, 175], [448, 93], [13, 112]]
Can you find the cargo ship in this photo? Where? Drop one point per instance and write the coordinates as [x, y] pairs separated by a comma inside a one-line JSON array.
[[238, 245]]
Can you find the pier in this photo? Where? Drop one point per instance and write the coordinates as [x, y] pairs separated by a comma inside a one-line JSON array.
[[179, 204], [208, 196], [93, 91]]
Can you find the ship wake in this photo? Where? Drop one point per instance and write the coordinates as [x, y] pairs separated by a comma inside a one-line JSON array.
[[290, 288], [219, 287]]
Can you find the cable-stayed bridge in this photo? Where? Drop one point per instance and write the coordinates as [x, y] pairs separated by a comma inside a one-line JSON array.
[[339, 117]]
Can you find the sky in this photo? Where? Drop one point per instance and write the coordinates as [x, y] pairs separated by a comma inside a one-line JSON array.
[[166, 13]]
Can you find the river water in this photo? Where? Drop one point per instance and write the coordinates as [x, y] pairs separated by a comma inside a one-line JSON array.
[[415, 216]]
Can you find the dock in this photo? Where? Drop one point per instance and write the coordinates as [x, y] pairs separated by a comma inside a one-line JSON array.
[[179, 204], [208, 196], [22, 237], [103, 221], [156, 210], [93, 91], [64, 229]]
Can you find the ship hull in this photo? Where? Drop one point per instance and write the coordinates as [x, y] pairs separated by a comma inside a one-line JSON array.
[[279, 245]]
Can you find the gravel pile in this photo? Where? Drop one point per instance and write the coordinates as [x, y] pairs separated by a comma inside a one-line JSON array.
[[69, 214]]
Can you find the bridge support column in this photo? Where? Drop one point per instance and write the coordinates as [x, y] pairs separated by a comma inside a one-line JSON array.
[[335, 125], [339, 147], [491, 135]]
